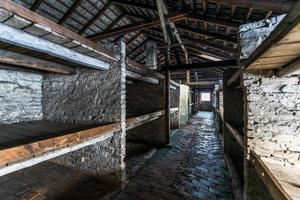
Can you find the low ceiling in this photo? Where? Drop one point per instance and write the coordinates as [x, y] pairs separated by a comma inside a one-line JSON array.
[[208, 28]]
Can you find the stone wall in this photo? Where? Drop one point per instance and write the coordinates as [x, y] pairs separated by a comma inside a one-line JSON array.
[[20, 96], [273, 125], [88, 97], [91, 97]]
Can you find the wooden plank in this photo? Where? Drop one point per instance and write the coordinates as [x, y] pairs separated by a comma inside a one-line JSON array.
[[48, 24], [141, 77], [292, 37], [204, 65], [291, 49], [22, 60], [288, 177], [137, 121], [138, 26], [23, 152], [236, 135], [274, 60], [287, 24], [274, 187], [21, 38], [290, 68], [276, 6]]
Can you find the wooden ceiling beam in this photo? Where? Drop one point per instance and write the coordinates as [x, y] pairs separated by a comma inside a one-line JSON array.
[[134, 4], [275, 6], [199, 41], [36, 5], [188, 29], [137, 35], [133, 27], [97, 16], [205, 65], [21, 60], [70, 11]]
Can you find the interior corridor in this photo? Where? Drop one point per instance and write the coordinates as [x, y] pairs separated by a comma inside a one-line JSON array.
[[191, 167]]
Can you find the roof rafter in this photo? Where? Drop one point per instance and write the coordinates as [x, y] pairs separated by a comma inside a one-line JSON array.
[[133, 27], [70, 11], [97, 16]]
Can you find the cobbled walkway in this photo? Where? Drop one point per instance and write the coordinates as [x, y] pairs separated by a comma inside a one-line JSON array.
[[193, 167]]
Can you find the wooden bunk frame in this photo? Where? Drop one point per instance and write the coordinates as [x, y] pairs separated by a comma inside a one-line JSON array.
[[29, 154]]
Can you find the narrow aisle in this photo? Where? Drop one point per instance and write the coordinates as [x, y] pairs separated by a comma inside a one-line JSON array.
[[193, 167]]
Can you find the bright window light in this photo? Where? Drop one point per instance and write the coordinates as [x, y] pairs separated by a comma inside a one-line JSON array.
[[205, 96]]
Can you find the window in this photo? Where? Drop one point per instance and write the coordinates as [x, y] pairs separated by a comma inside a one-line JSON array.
[[205, 96]]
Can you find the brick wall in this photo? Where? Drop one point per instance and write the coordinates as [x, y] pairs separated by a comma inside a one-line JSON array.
[[20, 96], [143, 98], [273, 123]]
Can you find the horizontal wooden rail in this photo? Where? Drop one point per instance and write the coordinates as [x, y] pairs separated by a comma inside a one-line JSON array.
[[274, 187], [137, 121], [27, 155], [235, 134]]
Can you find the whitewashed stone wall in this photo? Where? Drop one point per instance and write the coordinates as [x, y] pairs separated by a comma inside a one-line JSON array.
[[20, 96], [273, 126]]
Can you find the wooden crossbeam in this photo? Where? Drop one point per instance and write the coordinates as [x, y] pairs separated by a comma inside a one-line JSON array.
[[94, 19], [188, 29], [134, 4], [16, 59], [276, 6], [70, 11], [222, 22], [21, 38], [133, 27], [197, 41], [204, 65], [36, 5], [134, 38]]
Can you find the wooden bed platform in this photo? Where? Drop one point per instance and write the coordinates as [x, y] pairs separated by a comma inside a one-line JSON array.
[[28, 143]]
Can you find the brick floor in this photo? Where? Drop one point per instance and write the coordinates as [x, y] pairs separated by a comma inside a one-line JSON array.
[[193, 167]]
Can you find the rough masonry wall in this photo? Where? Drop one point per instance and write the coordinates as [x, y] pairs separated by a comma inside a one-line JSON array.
[[20, 96], [273, 125], [91, 97], [88, 97], [143, 98]]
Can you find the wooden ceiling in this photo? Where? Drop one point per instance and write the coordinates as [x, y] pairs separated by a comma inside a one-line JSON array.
[[208, 28]]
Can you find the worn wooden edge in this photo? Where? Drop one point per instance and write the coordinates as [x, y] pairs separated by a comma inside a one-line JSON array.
[[270, 181], [36, 18], [137, 121], [16, 59], [27, 155], [27, 151], [236, 135]]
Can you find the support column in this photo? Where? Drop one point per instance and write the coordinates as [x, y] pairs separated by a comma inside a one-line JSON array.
[[151, 55], [233, 114]]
